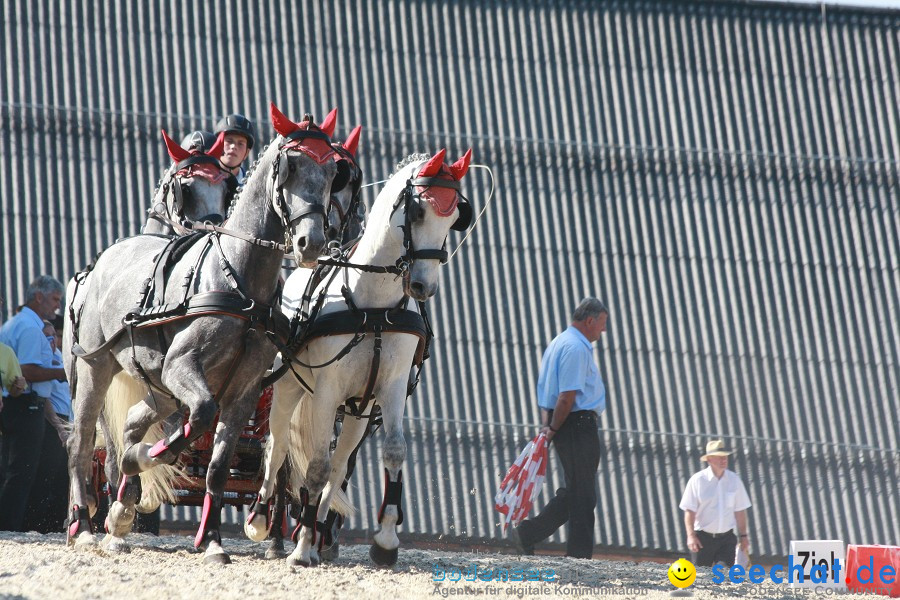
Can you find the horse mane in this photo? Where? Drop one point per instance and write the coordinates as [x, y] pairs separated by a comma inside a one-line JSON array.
[[165, 177], [235, 198], [416, 156]]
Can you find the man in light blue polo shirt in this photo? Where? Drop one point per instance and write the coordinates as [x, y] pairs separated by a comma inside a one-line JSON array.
[[23, 417], [571, 395]]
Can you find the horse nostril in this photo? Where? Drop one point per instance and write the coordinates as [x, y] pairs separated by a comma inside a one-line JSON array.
[[301, 242], [332, 233], [417, 288]]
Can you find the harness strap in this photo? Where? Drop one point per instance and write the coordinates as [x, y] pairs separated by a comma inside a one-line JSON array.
[[357, 410], [195, 226], [393, 269]]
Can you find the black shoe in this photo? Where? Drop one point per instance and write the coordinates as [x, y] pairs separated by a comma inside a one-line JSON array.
[[516, 539]]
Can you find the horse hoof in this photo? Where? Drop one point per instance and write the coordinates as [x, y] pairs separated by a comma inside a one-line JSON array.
[[382, 556], [218, 558], [275, 550], [297, 562], [331, 553], [273, 553], [257, 534], [85, 540], [113, 544]]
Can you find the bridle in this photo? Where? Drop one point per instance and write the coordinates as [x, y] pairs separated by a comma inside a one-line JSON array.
[[279, 179], [349, 173], [175, 210]]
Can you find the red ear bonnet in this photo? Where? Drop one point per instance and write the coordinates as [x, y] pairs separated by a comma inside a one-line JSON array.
[[460, 167], [281, 123], [433, 166], [218, 148], [353, 140], [317, 149], [328, 124], [176, 152]]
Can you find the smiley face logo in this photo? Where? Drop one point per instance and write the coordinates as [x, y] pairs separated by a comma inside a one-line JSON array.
[[682, 573]]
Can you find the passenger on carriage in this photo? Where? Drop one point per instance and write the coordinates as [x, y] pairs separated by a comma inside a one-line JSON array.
[[240, 136]]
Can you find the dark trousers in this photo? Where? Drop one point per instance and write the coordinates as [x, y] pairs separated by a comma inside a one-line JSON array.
[[22, 422], [577, 444], [49, 499], [715, 549]]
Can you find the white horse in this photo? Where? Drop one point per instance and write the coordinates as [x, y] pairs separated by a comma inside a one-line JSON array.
[[360, 346]]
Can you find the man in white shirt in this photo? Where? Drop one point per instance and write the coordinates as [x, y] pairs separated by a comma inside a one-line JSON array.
[[715, 502]]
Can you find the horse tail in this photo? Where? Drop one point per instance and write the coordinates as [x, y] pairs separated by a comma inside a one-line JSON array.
[[157, 484], [299, 451]]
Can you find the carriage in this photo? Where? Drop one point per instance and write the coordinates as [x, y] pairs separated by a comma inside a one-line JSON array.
[[201, 349], [245, 469]]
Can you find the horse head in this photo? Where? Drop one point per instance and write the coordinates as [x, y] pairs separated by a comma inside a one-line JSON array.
[[302, 179], [195, 187], [429, 206], [343, 221]]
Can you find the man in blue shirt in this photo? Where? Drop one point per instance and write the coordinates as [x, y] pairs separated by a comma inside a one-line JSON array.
[[571, 395], [22, 418], [49, 499]]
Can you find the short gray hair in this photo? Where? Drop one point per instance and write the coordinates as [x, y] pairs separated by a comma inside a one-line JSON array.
[[45, 285], [589, 307]]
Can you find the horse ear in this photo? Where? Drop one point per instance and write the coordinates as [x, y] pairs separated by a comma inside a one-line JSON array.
[[282, 124], [328, 124], [353, 140], [219, 147], [433, 166], [460, 167], [176, 152]]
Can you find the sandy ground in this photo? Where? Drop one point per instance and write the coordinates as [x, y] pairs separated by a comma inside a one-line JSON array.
[[40, 566]]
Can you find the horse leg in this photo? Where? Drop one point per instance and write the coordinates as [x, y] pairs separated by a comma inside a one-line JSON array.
[[93, 380], [353, 432], [284, 401], [120, 519], [384, 550], [276, 534], [232, 418], [317, 417], [111, 468]]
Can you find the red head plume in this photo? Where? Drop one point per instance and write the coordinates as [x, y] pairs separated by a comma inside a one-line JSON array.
[[328, 124], [433, 166], [176, 152], [352, 140], [282, 124], [460, 167], [218, 148]]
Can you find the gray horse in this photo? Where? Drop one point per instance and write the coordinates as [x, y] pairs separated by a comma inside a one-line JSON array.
[[201, 332], [194, 188]]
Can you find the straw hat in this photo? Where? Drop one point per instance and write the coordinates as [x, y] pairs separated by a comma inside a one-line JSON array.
[[716, 448]]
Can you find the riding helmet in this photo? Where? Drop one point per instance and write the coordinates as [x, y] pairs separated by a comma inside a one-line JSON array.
[[236, 123], [198, 140]]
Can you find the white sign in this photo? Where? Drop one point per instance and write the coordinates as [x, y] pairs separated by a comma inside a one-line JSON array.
[[818, 559]]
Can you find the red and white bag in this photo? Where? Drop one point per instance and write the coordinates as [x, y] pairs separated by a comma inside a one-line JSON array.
[[522, 483]]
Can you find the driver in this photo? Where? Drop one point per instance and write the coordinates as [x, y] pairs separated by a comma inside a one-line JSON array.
[[240, 136]]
